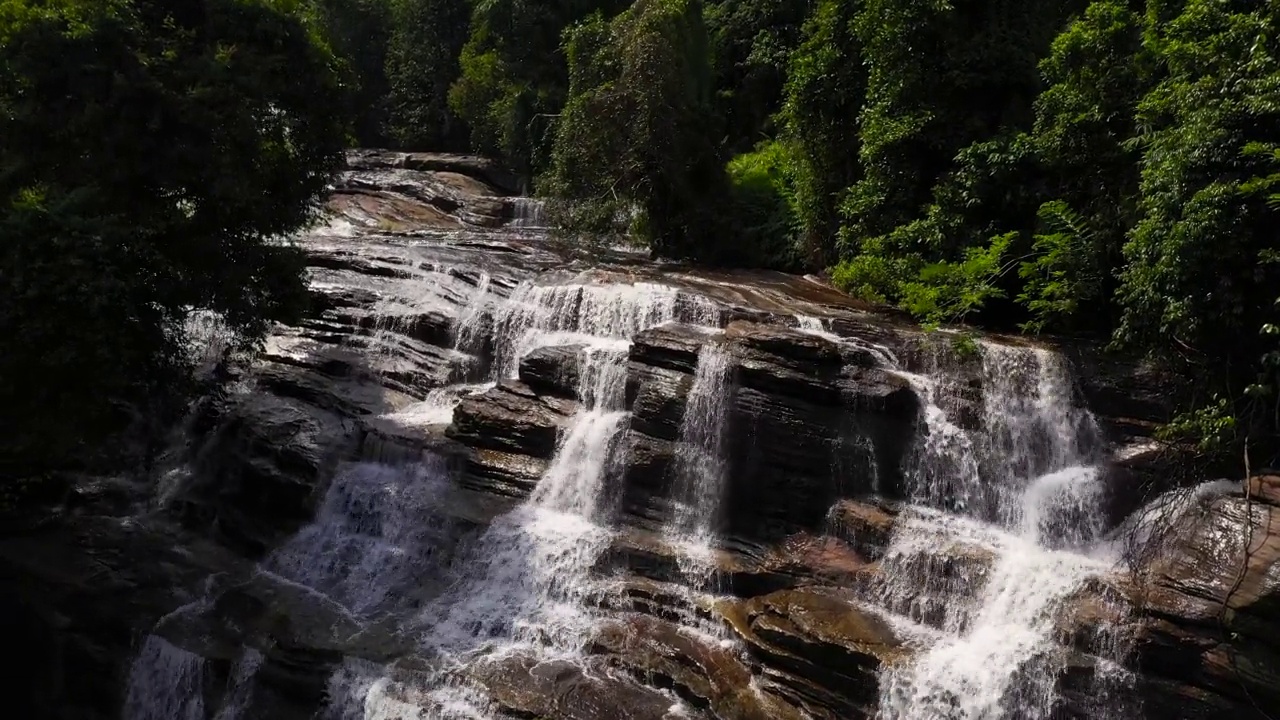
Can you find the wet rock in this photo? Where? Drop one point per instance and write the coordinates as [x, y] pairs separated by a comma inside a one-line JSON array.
[[510, 418], [648, 555], [782, 361], [552, 370], [673, 347], [503, 474], [646, 477], [700, 671], [868, 525], [484, 169], [1213, 600], [802, 426], [529, 687], [828, 651], [657, 398], [258, 476], [79, 597]]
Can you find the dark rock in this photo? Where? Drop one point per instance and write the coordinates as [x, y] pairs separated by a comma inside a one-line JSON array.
[[867, 524], [705, 675], [828, 650], [647, 476], [657, 399], [78, 599], [552, 370], [258, 477], [510, 418], [530, 687], [672, 346]]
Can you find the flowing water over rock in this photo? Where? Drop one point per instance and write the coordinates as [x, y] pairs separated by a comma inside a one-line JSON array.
[[701, 466], [1025, 482], [496, 484], [166, 683]]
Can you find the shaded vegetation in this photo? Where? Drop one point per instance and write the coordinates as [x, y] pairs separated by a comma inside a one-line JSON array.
[[1104, 168], [151, 156]]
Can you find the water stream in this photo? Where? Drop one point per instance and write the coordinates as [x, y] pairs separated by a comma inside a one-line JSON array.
[[700, 463], [1024, 492], [1010, 498]]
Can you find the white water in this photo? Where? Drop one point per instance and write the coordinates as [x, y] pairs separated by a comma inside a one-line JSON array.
[[529, 213], [1019, 481], [1026, 482], [165, 683], [524, 584], [375, 534], [541, 315], [239, 692], [437, 408], [468, 327], [701, 463]]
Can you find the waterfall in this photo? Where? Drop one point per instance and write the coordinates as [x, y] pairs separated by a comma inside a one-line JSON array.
[[374, 535], [437, 408], [467, 328], [528, 574], [165, 683], [1027, 493], [544, 315], [239, 693], [523, 584], [700, 463], [528, 213]]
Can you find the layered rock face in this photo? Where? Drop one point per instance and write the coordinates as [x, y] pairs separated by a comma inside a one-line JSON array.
[[486, 480]]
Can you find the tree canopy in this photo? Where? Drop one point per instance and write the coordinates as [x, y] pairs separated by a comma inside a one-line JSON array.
[[153, 153], [1097, 167]]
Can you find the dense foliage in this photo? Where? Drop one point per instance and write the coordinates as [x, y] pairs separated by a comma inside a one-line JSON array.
[[151, 153], [632, 151], [1098, 167]]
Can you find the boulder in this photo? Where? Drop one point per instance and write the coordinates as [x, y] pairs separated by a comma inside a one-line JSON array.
[[701, 672], [656, 397], [80, 596], [552, 370], [1213, 603], [511, 418], [259, 474], [672, 346], [826, 651], [527, 686]]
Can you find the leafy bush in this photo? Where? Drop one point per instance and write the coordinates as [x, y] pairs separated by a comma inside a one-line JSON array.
[[151, 156], [762, 219]]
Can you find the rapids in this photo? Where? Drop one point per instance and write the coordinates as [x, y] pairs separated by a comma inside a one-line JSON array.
[[1014, 488]]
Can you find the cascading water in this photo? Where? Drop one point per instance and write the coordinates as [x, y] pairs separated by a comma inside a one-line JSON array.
[[374, 535], [700, 463], [529, 213], [523, 585], [437, 408], [545, 315], [1024, 484], [1005, 500], [165, 683]]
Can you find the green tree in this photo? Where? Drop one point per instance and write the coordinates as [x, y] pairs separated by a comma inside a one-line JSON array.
[[152, 153], [1193, 280], [422, 63], [633, 147], [946, 171], [514, 76], [360, 32], [825, 90], [1097, 71], [751, 42]]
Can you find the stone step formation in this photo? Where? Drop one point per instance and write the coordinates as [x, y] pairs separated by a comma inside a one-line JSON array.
[[483, 480]]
